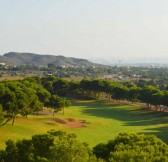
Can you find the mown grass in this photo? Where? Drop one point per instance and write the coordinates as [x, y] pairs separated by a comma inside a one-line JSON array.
[[103, 122]]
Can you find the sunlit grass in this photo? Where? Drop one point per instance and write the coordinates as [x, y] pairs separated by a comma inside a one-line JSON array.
[[102, 122]]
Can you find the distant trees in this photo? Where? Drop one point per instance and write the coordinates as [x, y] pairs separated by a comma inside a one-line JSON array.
[[60, 87], [75, 89], [150, 95], [147, 94], [32, 94], [56, 85], [119, 92], [105, 89], [134, 94], [164, 99], [157, 99], [58, 103]]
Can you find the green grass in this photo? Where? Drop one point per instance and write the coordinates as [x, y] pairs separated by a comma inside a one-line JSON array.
[[104, 122]]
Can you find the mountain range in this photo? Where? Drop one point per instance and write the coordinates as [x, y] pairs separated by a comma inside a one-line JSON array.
[[17, 59]]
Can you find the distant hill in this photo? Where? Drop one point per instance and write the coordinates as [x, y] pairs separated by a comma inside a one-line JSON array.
[[15, 58]]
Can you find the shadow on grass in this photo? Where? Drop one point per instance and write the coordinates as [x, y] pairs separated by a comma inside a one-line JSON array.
[[160, 132], [129, 115]]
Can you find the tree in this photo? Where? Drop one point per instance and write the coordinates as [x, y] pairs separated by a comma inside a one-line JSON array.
[[146, 94], [58, 103], [43, 95], [60, 87], [119, 92], [157, 99], [11, 151], [55, 146], [65, 103], [36, 106], [48, 85], [20, 97], [42, 144], [68, 148], [132, 147], [134, 94], [165, 99], [75, 89], [85, 84], [25, 150]]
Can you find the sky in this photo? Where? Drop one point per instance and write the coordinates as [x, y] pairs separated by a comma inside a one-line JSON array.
[[85, 28]]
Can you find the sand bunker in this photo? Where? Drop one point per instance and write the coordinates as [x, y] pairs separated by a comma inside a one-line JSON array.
[[71, 123], [61, 121], [74, 125], [67, 122]]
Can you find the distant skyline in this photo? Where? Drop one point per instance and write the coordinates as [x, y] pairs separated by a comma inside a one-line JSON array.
[[85, 28]]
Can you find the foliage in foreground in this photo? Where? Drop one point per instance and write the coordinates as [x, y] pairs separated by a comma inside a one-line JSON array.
[[133, 148], [60, 146], [55, 146]]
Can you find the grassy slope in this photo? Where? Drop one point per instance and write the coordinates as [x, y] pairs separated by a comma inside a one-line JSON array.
[[105, 121]]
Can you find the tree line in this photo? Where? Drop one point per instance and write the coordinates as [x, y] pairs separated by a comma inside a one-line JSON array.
[[106, 89], [60, 146], [32, 94]]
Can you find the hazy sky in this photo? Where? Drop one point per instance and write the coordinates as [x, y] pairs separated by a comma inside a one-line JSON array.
[[85, 28]]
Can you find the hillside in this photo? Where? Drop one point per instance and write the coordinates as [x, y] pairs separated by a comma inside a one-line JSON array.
[[15, 58]]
